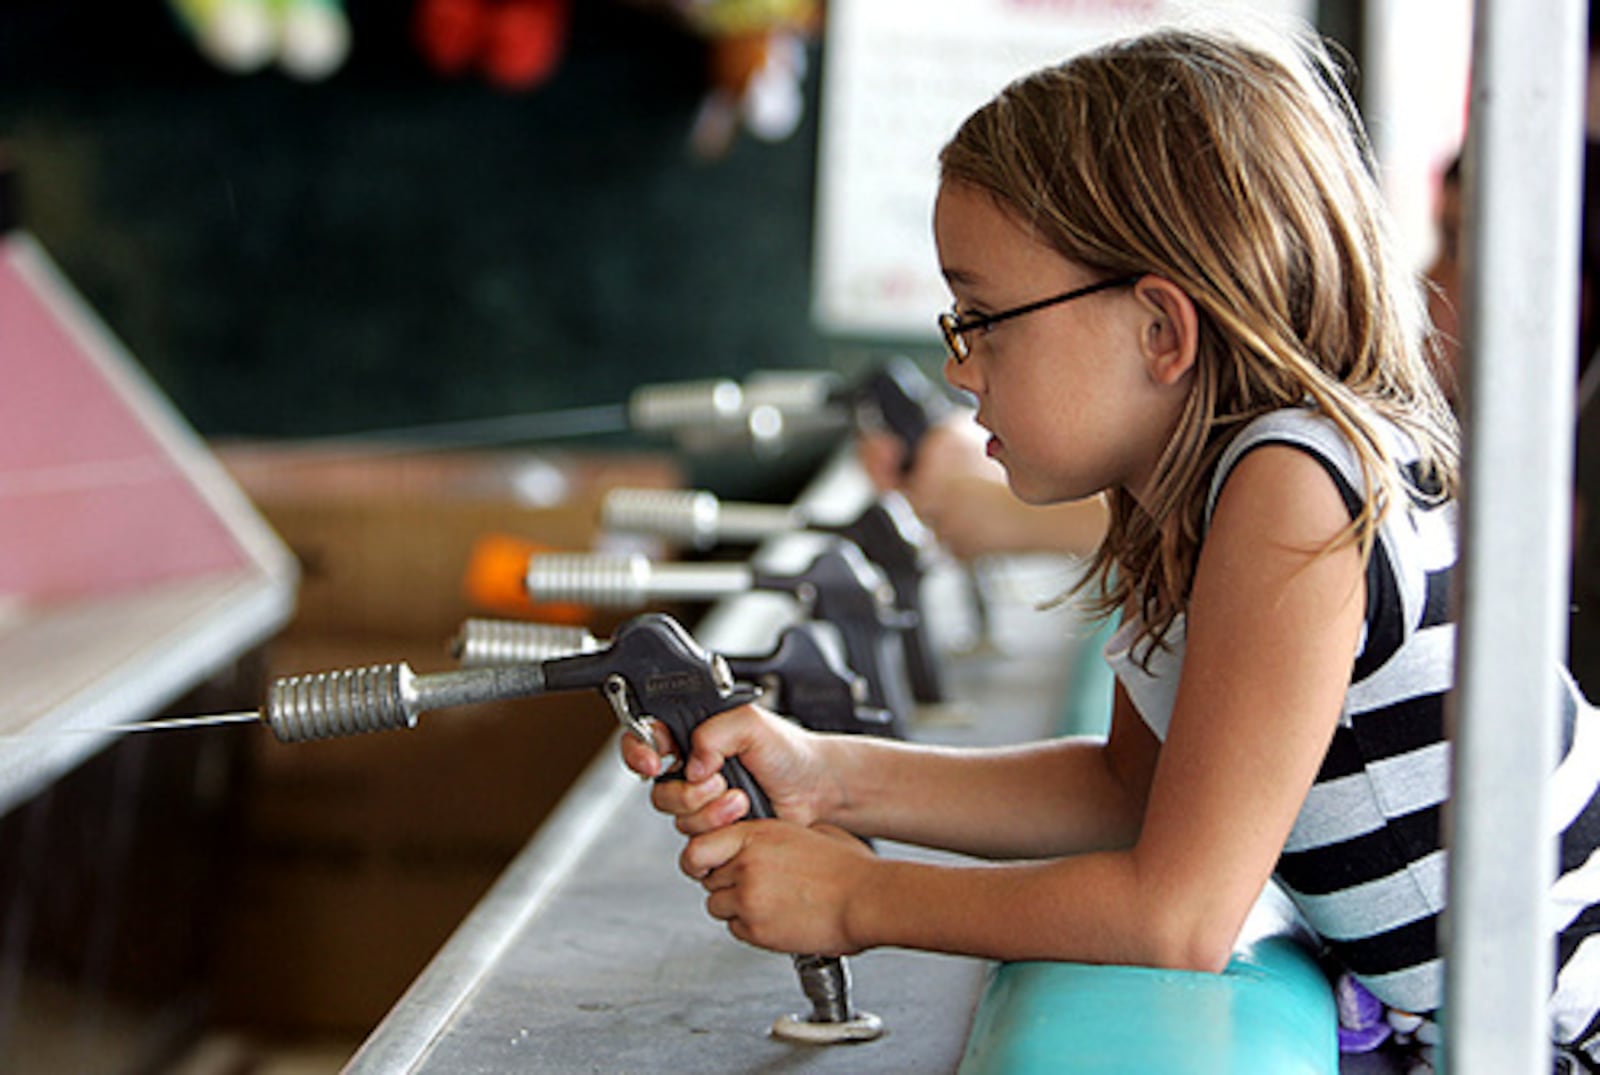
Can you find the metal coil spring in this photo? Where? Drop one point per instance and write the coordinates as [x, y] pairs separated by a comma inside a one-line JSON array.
[[590, 578], [346, 702], [683, 515], [489, 642], [684, 406]]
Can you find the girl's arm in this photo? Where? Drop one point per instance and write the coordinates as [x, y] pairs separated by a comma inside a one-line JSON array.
[[1056, 797], [1273, 624], [1035, 800]]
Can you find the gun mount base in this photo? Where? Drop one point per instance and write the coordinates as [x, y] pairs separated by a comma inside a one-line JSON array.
[[803, 1030]]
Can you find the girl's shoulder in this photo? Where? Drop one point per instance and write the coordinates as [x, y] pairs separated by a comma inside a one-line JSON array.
[[1314, 433]]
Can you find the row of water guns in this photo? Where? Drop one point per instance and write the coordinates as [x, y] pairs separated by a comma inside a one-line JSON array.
[[854, 568], [854, 589], [652, 670], [854, 658]]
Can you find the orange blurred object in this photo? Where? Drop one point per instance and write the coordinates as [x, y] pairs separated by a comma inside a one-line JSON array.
[[735, 59], [494, 581]]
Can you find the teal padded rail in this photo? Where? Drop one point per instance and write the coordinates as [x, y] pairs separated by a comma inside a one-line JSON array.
[[1270, 1013]]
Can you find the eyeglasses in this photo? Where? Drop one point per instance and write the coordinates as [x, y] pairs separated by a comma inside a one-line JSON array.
[[955, 327]]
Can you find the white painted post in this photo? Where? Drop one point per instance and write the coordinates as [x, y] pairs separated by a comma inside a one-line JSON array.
[[1522, 185]]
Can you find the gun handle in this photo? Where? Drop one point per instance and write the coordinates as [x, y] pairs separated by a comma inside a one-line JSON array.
[[739, 777]]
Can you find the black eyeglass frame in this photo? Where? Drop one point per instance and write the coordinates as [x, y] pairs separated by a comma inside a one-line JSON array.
[[955, 328]]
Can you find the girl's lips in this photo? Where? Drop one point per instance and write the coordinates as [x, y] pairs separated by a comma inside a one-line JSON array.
[[992, 447]]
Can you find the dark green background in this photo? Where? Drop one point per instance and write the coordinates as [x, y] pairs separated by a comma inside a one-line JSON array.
[[389, 247]]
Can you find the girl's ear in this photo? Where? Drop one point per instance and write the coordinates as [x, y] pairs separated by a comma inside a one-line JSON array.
[[1169, 335]]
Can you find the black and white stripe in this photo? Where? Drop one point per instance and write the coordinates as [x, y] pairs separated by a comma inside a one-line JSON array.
[[1365, 861]]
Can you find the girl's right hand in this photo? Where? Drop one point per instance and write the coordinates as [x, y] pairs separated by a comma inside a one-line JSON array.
[[782, 757]]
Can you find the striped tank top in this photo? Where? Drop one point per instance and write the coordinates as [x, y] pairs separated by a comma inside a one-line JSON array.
[[1365, 862]]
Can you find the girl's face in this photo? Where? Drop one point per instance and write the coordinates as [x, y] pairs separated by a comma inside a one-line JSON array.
[[1065, 392]]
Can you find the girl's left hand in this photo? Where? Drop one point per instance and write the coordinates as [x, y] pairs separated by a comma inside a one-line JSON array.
[[781, 886]]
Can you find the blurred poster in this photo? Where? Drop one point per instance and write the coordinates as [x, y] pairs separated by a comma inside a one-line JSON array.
[[898, 78]]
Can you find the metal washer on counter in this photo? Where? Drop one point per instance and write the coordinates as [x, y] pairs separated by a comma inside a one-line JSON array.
[[863, 1026]]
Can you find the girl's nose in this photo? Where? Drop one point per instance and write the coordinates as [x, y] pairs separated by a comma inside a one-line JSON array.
[[961, 375]]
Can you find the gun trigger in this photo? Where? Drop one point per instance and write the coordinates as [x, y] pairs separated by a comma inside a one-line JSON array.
[[616, 692]]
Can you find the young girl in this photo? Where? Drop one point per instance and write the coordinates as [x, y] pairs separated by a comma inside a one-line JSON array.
[[1173, 285]]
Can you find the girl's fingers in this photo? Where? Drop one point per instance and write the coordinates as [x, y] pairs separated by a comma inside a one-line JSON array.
[[708, 852], [727, 735], [722, 905], [654, 759], [640, 758], [722, 811], [683, 797]]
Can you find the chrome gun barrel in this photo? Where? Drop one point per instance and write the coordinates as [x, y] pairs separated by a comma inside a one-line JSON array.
[[624, 580], [670, 407], [694, 517], [484, 642], [763, 412], [383, 697]]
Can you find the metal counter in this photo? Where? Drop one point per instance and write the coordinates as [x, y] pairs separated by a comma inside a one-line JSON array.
[[593, 953]]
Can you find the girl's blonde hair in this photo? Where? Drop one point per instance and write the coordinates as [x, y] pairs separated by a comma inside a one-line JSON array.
[[1239, 171]]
